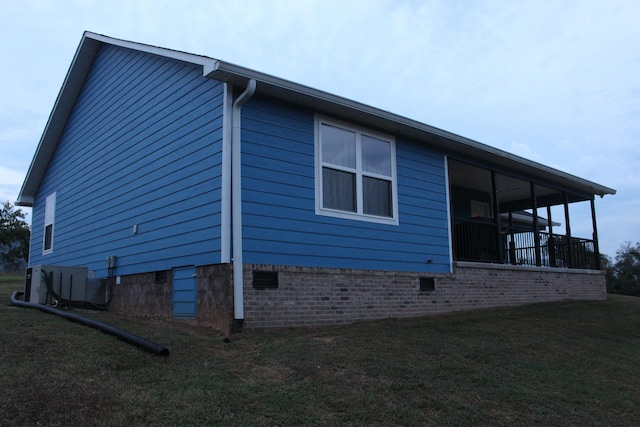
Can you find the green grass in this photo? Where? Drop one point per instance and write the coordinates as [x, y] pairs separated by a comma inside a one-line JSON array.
[[568, 363]]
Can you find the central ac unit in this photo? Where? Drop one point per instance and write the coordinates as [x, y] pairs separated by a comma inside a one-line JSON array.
[[46, 281]]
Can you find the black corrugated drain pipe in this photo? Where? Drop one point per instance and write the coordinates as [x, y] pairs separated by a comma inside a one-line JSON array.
[[121, 334]]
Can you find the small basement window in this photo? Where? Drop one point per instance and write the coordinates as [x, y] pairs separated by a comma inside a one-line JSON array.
[[427, 283], [265, 279]]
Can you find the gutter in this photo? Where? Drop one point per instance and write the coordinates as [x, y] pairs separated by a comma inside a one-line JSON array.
[[302, 95], [236, 204], [397, 125]]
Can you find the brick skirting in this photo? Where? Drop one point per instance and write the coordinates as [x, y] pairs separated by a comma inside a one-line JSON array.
[[321, 296], [308, 296], [141, 294]]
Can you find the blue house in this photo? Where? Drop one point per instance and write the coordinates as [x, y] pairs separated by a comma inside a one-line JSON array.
[[199, 189]]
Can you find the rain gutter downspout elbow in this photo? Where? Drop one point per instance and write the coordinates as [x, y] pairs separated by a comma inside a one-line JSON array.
[[236, 203]]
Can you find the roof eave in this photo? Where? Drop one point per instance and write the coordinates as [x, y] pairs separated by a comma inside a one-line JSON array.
[[24, 201], [57, 118], [76, 74], [396, 124], [280, 88]]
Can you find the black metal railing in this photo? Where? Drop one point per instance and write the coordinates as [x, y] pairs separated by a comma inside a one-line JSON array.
[[555, 250], [481, 241], [476, 241]]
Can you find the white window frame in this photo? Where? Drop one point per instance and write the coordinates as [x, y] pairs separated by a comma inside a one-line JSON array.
[[49, 220], [359, 215]]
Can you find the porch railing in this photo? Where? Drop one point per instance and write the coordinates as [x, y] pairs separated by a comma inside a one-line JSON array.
[[481, 241]]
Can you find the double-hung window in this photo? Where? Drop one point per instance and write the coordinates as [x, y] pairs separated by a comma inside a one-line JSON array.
[[355, 173]]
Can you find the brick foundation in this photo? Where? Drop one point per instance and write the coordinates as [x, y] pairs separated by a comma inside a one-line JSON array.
[[139, 294], [324, 296], [320, 296]]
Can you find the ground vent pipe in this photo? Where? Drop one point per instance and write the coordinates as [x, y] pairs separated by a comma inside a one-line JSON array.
[[121, 334]]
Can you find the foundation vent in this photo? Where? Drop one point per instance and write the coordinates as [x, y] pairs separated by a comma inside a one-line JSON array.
[[161, 277], [265, 279], [427, 283]]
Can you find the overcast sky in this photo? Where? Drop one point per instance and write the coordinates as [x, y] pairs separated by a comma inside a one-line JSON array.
[[557, 82]]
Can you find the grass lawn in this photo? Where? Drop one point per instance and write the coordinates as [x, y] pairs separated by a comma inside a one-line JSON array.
[[568, 363]]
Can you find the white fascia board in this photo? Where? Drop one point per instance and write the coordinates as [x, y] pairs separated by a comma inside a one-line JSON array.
[[389, 122], [208, 64], [24, 201], [57, 118], [154, 50], [304, 95], [70, 89]]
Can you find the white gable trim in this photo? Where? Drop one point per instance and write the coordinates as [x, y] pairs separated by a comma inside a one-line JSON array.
[[320, 101], [69, 91]]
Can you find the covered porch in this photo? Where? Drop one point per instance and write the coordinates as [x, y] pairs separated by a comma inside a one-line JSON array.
[[501, 217]]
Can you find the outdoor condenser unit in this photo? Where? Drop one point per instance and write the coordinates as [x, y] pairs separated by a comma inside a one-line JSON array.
[[69, 283]]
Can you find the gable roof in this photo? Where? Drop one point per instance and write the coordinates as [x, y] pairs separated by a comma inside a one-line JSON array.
[[289, 91]]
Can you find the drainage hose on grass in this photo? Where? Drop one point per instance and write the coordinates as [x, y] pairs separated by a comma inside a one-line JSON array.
[[121, 334]]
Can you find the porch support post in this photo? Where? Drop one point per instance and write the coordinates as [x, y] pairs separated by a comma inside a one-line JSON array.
[[512, 243], [536, 226], [596, 246], [498, 220], [568, 227], [551, 242]]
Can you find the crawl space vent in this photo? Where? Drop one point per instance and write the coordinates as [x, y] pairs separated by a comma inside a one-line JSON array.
[[265, 279], [427, 283], [161, 277]]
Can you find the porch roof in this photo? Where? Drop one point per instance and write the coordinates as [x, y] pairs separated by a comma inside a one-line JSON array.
[[316, 99]]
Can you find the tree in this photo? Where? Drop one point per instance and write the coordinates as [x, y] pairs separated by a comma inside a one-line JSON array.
[[626, 270], [14, 237]]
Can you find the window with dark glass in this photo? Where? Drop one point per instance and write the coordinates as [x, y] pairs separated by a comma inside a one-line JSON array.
[[356, 173], [49, 219]]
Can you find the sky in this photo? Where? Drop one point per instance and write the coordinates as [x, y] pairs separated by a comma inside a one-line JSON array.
[[557, 82]]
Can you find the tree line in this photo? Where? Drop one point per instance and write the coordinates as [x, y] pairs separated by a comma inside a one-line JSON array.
[[623, 272], [14, 238]]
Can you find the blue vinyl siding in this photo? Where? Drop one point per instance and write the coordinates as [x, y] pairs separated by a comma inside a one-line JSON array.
[[142, 147], [279, 221]]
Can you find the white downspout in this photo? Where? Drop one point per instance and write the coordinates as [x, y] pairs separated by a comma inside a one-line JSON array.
[[225, 207], [236, 203], [449, 213]]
